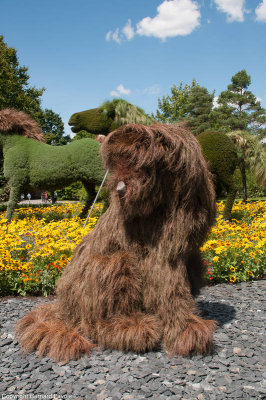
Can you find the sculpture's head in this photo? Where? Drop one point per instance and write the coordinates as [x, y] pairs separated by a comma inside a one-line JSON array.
[[152, 166], [93, 121]]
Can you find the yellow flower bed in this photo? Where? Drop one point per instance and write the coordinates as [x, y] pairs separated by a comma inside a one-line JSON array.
[[39, 242], [34, 251], [235, 250]]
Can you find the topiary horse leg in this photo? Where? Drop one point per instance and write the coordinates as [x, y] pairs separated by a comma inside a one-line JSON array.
[[231, 194], [14, 198], [91, 193]]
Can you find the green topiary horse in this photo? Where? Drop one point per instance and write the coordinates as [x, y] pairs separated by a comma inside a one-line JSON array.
[[30, 163]]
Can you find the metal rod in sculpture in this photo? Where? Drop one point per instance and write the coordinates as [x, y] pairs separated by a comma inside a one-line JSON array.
[[100, 188]]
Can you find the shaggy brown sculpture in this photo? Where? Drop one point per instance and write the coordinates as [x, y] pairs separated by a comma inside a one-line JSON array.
[[131, 281]]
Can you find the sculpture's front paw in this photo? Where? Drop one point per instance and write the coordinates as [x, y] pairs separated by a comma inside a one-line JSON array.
[[197, 337]]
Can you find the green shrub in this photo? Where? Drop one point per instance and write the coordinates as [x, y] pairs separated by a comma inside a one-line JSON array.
[[220, 153]]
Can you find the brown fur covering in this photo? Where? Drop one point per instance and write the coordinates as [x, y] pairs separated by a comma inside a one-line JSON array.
[[131, 281], [18, 122]]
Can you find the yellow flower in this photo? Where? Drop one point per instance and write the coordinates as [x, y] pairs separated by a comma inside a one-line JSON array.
[[250, 273], [232, 269], [216, 258], [232, 278]]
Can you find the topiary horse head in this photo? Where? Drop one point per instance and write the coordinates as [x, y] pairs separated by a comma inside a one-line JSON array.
[[108, 117], [30, 163]]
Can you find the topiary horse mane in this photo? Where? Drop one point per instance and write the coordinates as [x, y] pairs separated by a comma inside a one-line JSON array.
[[19, 123], [31, 164]]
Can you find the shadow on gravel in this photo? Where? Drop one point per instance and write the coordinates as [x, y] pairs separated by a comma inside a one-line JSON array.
[[222, 313]]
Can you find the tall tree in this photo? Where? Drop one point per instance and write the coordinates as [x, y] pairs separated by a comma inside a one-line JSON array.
[[239, 109], [251, 155], [173, 108], [53, 128], [15, 91], [200, 105], [192, 103]]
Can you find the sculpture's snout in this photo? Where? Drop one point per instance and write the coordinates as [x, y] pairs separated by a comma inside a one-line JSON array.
[[121, 188]]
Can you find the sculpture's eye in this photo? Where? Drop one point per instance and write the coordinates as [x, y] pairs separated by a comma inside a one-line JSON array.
[[121, 188]]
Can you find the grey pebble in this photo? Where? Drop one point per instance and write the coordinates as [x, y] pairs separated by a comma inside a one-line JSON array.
[[234, 370]]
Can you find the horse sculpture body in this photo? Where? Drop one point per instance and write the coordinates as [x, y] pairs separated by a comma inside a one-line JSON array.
[[30, 163]]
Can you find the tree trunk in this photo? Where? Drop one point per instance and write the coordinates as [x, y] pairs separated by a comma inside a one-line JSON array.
[[244, 179]]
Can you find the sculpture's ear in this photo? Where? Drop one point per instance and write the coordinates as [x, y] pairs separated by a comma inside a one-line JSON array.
[[100, 138]]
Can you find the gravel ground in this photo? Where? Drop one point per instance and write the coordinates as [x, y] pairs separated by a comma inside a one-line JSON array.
[[233, 371]]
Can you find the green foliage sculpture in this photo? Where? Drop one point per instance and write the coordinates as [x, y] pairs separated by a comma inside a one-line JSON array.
[[109, 116], [30, 163], [220, 152]]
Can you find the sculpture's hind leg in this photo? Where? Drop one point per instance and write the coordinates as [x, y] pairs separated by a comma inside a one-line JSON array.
[[14, 198]]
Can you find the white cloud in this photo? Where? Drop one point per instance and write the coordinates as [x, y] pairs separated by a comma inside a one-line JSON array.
[[113, 36], [174, 18], [120, 90], [261, 12], [127, 33], [233, 8], [128, 30], [108, 36], [215, 102], [151, 90]]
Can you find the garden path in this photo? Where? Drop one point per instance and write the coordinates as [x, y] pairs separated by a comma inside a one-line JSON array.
[[233, 371]]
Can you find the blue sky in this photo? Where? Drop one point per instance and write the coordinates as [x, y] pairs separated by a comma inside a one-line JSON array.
[[87, 51]]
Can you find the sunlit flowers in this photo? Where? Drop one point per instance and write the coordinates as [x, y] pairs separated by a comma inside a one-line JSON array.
[[236, 248], [39, 242]]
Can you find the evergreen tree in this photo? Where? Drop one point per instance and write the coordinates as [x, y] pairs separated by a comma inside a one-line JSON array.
[[200, 104], [239, 108]]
